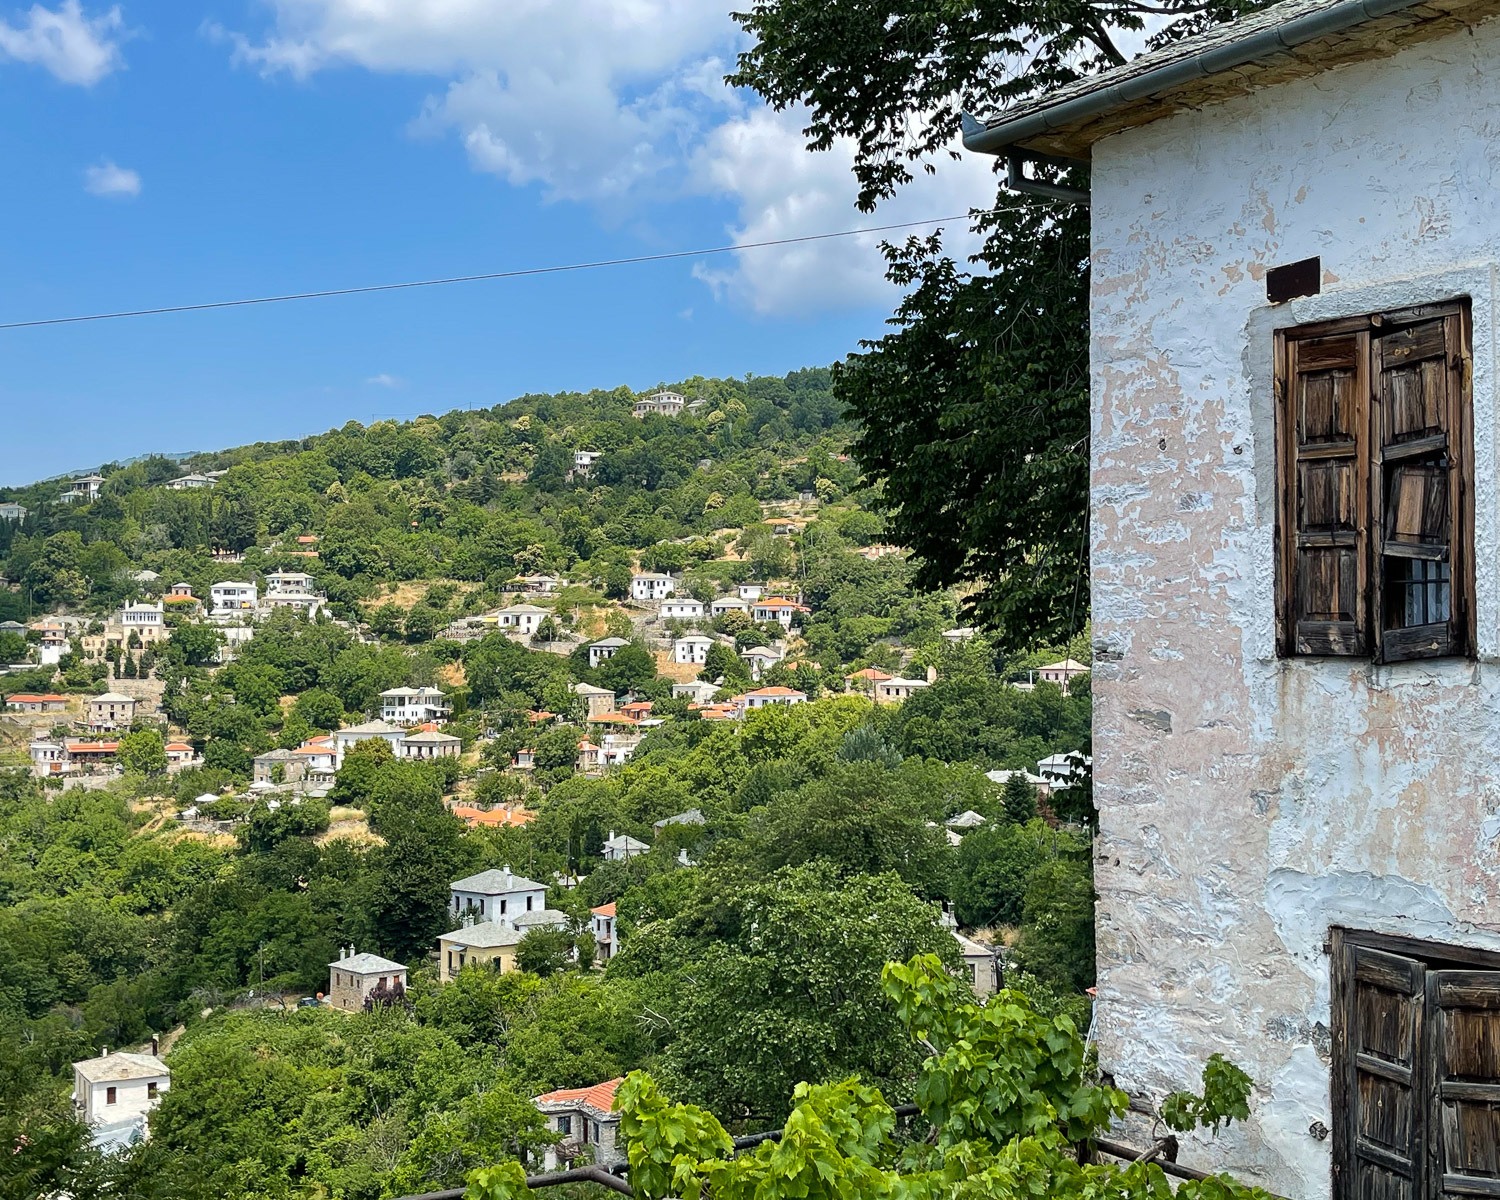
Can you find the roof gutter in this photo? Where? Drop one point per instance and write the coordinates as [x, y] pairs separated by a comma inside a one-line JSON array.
[[1003, 137]]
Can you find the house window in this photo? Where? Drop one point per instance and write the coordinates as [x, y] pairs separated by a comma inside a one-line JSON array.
[[583, 1129], [1416, 1068], [1375, 486], [151, 1090], [528, 903], [110, 1095], [565, 1126]]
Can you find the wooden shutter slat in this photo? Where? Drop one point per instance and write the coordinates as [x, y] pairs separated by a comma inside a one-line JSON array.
[[1323, 516], [1417, 478], [1463, 1071], [1379, 1023]]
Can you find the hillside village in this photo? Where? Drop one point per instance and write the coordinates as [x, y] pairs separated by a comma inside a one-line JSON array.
[[527, 716]]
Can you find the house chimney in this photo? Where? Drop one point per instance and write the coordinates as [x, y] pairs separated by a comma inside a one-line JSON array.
[[931, 674], [155, 1045], [103, 1051]]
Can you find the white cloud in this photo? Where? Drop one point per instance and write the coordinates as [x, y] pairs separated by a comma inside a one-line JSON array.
[[384, 380], [107, 179], [75, 48], [782, 191], [622, 104], [592, 99]]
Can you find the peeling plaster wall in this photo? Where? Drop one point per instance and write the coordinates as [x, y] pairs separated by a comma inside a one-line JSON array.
[[1246, 803]]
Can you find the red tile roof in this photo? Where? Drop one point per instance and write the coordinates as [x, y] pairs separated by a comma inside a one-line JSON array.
[[604, 910], [600, 1097], [178, 746], [775, 691], [472, 816], [29, 698]]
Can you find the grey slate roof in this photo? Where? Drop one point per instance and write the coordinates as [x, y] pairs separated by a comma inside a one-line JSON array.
[[485, 935], [1300, 50], [121, 1065], [693, 816], [367, 964], [495, 882], [540, 916]]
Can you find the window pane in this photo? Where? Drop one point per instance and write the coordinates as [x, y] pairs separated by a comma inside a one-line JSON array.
[[1417, 592]]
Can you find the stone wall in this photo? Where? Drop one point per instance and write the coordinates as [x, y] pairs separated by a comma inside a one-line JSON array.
[[1248, 804]]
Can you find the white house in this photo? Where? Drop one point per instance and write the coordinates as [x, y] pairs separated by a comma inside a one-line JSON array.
[[232, 596], [190, 482], [775, 608], [542, 585], [729, 604], [692, 648], [760, 659], [496, 893], [347, 738], [290, 581], [961, 633], [586, 1120], [602, 926], [682, 608], [652, 587], [11, 511], [699, 691], [604, 649], [408, 706], [1296, 622], [147, 621], [354, 978], [1061, 673], [893, 691], [622, 847], [48, 757], [750, 591], [84, 488], [522, 618], [115, 1093], [668, 404], [768, 696], [583, 462]]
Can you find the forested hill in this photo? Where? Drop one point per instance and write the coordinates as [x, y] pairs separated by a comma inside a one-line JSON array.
[[471, 495]]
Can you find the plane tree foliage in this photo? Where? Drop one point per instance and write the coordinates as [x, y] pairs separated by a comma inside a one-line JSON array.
[[973, 409], [1004, 1098]]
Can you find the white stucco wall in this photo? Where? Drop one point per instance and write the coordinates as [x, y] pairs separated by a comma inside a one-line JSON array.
[[1247, 804]]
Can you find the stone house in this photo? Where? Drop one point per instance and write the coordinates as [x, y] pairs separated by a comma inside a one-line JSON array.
[[353, 978], [585, 1118], [596, 700], [668, 404], [429, 743], [895, 690], [759, 660], [278, 766], [108, 712], [34, 702], [981, 966], [1296, 651]]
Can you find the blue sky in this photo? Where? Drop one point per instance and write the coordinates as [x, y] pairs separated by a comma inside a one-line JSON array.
[[163, 153]]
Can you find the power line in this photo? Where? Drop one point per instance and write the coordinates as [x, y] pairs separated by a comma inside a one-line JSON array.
[[486, 277]]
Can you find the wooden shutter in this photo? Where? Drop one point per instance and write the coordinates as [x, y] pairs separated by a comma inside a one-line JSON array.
[[1323, 518], [1463, 1014], [1421, 485], [1381, 1141]]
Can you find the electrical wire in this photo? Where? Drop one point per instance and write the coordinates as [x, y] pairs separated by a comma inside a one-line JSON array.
[[489, 276]]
